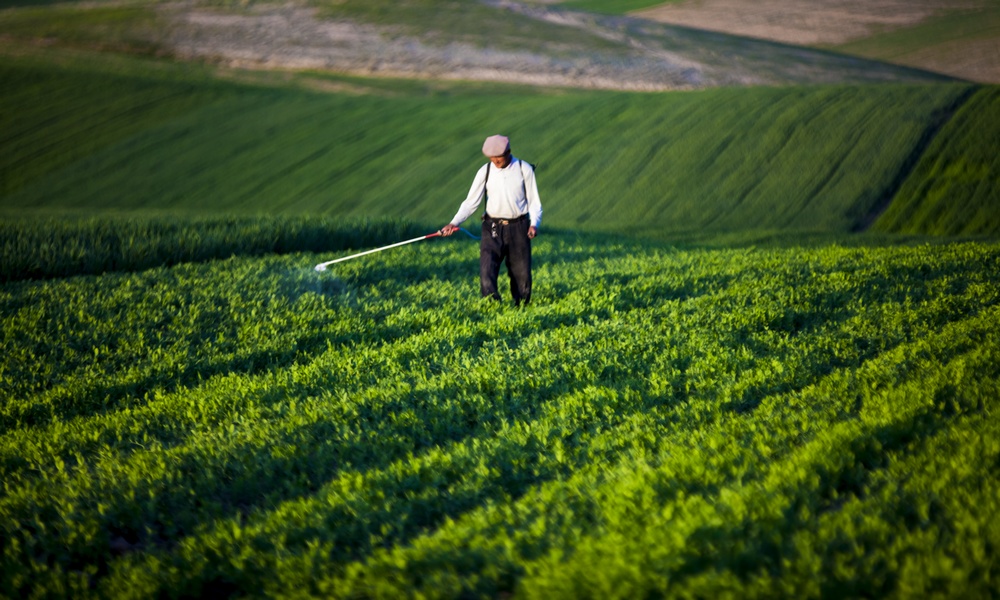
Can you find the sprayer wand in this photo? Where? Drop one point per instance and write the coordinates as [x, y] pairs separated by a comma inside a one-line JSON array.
[[323, 266]]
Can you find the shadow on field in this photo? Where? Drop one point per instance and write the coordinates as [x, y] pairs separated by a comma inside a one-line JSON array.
[[374, 514], [230, 489], [81, 399], [914, 285], [751, 547], [939, 119]]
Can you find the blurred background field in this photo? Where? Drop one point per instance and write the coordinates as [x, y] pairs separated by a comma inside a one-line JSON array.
[[85, 137]]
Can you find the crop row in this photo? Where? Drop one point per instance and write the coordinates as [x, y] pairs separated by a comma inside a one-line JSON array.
[[775, 421], [40, 248]]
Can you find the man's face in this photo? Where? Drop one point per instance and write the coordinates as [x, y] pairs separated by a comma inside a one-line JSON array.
[[500, 161]]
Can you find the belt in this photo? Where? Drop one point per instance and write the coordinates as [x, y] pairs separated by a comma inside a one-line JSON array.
[[505, 221]]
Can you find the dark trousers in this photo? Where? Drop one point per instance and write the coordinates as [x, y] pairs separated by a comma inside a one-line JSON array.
[[508, 243]]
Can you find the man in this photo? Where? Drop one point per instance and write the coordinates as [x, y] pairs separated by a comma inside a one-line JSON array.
[[513, 215]]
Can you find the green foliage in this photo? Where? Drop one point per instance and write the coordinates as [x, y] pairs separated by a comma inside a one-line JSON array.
[[694, 423], [814, 158], [955, 188], [35, 248]]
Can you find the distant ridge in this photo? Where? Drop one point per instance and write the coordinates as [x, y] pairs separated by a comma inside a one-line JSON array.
[[537, 45]]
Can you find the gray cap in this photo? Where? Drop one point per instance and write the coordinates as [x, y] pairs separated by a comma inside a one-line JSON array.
[[496, 145]]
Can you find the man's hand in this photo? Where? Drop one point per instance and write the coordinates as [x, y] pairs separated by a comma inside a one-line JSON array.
[[532, 232], [448, 229]]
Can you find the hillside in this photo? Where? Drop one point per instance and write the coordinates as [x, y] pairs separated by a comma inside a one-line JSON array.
[[808, 158], [955, 188]]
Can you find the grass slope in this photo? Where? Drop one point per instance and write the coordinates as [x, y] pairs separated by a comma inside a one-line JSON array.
[[814, 158], [51, 117], [955, 188], [755, 422]]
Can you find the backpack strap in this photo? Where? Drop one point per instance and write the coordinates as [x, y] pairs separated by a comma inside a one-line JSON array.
[[484, 187]]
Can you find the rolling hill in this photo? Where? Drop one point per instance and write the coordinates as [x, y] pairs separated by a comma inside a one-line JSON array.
[[822, 158]]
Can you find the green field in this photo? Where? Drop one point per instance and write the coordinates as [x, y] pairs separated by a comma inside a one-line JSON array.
[[761, 360], [785, 421]]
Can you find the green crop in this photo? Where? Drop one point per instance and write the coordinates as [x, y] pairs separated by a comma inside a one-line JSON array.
[[753, 421]]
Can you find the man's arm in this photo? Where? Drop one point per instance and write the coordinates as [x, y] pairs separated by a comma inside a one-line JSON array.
[[534, 202], [476, 194]]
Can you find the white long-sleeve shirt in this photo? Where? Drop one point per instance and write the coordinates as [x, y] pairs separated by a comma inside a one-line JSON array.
[[510, 193]]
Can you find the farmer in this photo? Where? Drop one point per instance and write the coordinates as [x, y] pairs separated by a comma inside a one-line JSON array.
[[513, 214]]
